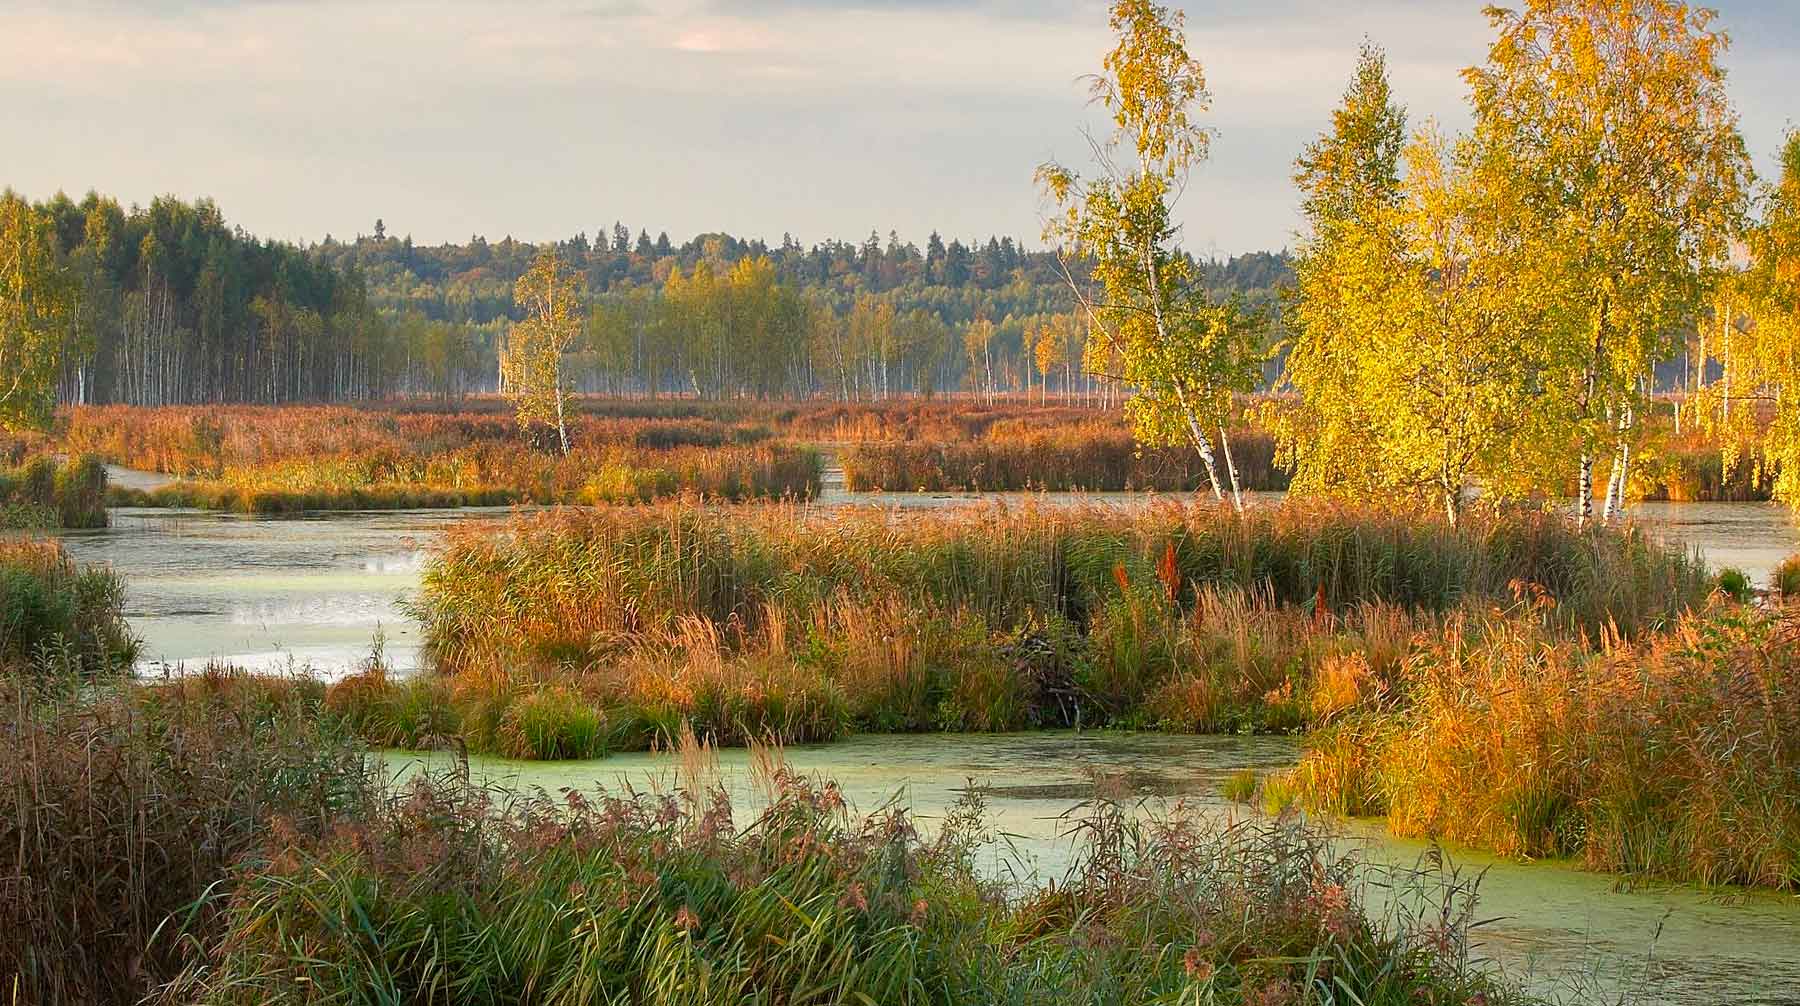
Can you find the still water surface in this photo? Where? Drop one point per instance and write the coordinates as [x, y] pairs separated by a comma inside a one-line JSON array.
[[1563, 932], [315, 592]]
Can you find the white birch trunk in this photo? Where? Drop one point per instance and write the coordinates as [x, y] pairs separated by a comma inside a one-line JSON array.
[[1237, 489]]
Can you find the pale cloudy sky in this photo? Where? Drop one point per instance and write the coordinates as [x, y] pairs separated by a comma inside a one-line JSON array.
[[540, 118]]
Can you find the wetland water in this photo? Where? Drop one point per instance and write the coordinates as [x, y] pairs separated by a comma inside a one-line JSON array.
[[279, 593], [1563, 931]]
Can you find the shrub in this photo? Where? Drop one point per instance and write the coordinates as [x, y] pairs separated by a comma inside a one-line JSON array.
[[413, 713], [1239, 786], [1786, 579], [553, 724], [1735, 584], [39, 495]]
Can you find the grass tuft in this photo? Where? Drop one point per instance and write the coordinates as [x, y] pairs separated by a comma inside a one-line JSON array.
[[1673, 757], [681, 899]]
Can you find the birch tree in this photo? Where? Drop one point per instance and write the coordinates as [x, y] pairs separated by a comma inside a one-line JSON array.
[[1452, 311], [36, 300], [1180, 358], [1614, 114], [1769, 363], [532, 359], [1349, 179]]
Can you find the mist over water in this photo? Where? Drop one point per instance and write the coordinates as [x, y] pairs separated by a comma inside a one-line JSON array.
[[267, 594]]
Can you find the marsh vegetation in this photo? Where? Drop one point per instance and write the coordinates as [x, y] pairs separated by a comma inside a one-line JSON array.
[[1470, 335]]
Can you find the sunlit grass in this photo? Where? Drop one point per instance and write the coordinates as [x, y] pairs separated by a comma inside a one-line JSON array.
[[682, 899], [805, 625], [1675, 756], [1104, 458]]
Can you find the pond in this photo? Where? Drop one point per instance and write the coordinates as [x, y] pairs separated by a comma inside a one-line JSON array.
[[1560, 930], [317, 591]]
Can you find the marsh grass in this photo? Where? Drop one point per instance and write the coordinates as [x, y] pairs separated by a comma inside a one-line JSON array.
[[281, 460], [125, 805], [449, 892], [575, 586], [1786, 580], [204, 441], [805, 626], [52, 608], [1240, 786], [40, 494], [494, 475], [1675, 756], [1103, 459]]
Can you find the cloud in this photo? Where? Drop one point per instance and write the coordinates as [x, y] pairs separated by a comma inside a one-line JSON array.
[[541, 118]]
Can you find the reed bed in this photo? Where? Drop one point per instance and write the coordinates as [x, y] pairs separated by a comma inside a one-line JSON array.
[[1675, 757], [126, 807], [18, 447], [570, 582], [208, 442], [1099, 460], [201, 441], [930, 421], [495, 474], [451, 893], [629, 624], [52, 611], [1692, 469], [40, 494]]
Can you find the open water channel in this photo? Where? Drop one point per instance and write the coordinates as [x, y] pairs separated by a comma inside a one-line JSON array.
[[316, 592]]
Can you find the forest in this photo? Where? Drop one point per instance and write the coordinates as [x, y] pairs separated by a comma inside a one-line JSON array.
[[170, 305]]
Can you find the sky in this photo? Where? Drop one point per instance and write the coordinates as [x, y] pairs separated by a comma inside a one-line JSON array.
[[543, 118]]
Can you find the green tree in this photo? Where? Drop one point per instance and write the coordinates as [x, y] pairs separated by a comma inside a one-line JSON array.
[[1349, 178], [549, 295], [1613, 114], [1448, 362], [1770, 363], [1181, 357], [36, 305]]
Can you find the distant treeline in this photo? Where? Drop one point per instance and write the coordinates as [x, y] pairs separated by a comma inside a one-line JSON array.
[[170, 305]]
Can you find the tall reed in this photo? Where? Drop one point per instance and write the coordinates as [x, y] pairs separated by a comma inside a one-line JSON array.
[[52, 609], [570, 584], [1104, 460], [495, 474], [126, 806], [39, 494], [203, 442], [449, 893], [627, 624], [1675, 757]]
